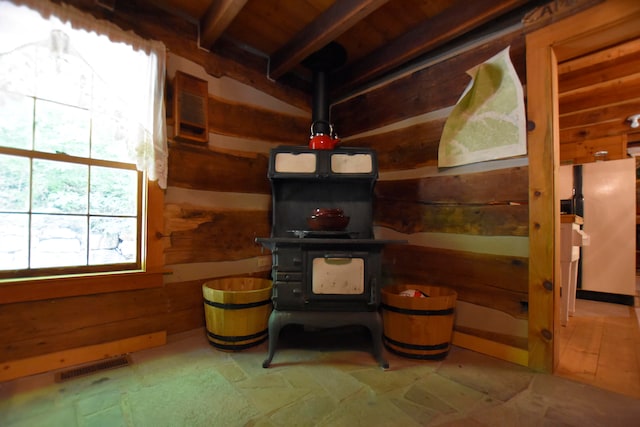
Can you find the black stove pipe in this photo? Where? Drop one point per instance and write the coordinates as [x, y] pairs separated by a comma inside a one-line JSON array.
[[321, 63], [320, 116]]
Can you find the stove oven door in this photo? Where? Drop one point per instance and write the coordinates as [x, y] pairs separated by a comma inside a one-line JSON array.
[[340, 280]]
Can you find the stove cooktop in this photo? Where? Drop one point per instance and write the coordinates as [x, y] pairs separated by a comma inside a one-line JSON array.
[[342, 234]]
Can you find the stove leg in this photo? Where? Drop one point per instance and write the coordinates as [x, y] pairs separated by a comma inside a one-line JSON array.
[[375, 328], [369, 319], [274, 332]]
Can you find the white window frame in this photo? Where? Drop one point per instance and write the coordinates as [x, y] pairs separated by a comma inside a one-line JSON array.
[[148, 269]]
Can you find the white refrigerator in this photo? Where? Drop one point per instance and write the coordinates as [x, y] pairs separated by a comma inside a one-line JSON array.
[[609, 262]]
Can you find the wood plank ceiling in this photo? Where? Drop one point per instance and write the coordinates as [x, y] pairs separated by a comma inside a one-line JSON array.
[[378, 35], [597, 95], [269, 39]]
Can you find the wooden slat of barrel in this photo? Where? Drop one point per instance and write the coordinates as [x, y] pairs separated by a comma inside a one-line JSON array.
[[418, 328], [237, 311]]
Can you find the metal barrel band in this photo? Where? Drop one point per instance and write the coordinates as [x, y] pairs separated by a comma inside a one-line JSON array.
[[408, 346], [263, 335], [433, 356], [237, 306], [443, 312], [430, 356]]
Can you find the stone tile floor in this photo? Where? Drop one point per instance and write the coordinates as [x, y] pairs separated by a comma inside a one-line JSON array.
[[331, 380]]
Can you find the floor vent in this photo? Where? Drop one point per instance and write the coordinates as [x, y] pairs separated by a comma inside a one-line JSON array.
[[103, 365]]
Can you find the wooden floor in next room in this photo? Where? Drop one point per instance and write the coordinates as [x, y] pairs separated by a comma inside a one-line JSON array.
[[601, 346]]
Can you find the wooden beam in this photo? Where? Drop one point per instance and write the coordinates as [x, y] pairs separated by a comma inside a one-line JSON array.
[[458, 19], [332, 23], [544, 218], [217, 18]]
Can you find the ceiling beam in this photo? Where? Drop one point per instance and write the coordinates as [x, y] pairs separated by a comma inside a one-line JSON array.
[[461, 17], [341, 16], [217, 18]]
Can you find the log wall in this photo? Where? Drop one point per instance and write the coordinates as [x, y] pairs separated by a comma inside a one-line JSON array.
[[216, 204], [467, 227], [218, 198]]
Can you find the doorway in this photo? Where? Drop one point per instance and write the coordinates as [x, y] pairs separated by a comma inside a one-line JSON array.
[[607, 24], [598, 343]]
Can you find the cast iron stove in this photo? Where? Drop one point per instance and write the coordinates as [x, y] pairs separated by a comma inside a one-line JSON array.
[[326, 278]]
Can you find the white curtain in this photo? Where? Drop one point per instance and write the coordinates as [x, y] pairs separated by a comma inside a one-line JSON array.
[[62, 41]]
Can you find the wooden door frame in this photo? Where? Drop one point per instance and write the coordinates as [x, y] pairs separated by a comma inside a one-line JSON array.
[[606, 24]]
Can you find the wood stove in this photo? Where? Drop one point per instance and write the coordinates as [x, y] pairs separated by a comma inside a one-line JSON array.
[[324, 278]]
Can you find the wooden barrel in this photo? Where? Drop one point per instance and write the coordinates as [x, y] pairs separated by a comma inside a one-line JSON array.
[[237, 311], [418, 328]]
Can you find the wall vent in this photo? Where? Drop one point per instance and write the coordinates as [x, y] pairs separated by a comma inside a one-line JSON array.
[[190, 109], [103, 365]]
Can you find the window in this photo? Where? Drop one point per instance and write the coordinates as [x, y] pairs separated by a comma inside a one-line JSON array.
[[66, 198], [79, 138]]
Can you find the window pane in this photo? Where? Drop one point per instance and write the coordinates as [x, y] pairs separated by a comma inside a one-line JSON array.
[[14, 250], [14, 184], [59, 187], [109, 136], [112, 240], [58, 241], [114, 191], [62, 129], [16, 120]]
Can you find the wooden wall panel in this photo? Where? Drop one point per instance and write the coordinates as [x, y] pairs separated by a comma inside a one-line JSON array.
[[204, 169], [495, 220], [406, 148], [494, 281], [429, 89], [41, 327], [403, 120], [202, 235], [251, 122], [476, 204], [478, 188]]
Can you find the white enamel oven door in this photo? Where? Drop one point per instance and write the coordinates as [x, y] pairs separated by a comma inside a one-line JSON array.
[[338, 276], [341, 277]]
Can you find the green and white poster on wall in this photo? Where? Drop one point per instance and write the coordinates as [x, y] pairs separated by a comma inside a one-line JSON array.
[[489, 121]]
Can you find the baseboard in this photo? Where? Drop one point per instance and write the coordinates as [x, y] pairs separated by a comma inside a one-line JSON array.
[[605, 297], [491, 348], [48, 362]]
